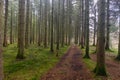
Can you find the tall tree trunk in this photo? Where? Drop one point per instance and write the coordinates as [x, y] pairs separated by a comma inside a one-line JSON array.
[[108, 27], [5, 24], [94, 40], [1, 26], [27, 25], [45, 22], [63, 19], [82, 23], [31, 22], [70, 20], [11, 27], [21, 24], [39, 24], [52, 17], [100, 67], [118, 56], [58, 26], [87, 28]]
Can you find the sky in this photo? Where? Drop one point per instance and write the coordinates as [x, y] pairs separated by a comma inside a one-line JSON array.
[[95, 1]]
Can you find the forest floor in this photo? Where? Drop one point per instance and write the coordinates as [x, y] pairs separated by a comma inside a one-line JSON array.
[[112, 66], [70, 67], [38, 61]]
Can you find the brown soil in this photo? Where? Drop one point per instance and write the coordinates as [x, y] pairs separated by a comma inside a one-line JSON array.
[[70, 67], [112, 66]]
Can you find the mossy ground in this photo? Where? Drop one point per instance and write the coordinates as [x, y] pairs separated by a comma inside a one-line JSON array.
[[90, 64], [37, 62]]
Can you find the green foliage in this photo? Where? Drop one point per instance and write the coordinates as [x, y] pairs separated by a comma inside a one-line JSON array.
[[37, 62], [113, 29]]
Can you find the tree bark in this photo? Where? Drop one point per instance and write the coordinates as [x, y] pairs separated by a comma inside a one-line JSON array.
[[118, 56], [87, 28], [52, 17], [21, 24], [108, 27], [100, 67], [5, 23], [27, 25], [1, 56], [11, 27]]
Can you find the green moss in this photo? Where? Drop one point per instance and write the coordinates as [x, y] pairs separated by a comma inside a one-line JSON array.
[[37, 62], [100, 71], [89, 63]]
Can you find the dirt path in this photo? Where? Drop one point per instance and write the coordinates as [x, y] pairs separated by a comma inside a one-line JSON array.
[[70, 67]]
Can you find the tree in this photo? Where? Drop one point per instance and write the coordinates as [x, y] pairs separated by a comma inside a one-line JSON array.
[[11, 26], [39, 24], [58, 26], [21, 23], [82, 21], [5, 25], [87, 28], [100, 67], [27, 24], [118, 56], [1, 22], [45, 23], [95, 26], [62, 25], [52, 17], [107, 26]]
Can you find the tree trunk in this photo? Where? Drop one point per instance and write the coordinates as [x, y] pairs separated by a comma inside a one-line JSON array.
[[94, 40], [118, 56], [21, 20], [11, 27], [58, 26], [45, 21], [39, 24], [62, 25], [27, 25], [108, 27], [52, 17], [87, 28], [5, 24], [82, 35], [100, 67], [1, 22]]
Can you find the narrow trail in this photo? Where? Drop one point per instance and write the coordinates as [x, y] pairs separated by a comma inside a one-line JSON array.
[[70, 67]]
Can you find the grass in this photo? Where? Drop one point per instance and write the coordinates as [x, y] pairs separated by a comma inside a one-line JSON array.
[[38, 61], [90, 64]]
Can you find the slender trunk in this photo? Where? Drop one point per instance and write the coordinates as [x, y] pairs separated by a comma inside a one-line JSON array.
[[39, 24], [94, 40], [11, 27], [1, 26], [27, 24], [108, 27], [87, 29], [58, 26], [82, 35], [51, 44], [5, 24]]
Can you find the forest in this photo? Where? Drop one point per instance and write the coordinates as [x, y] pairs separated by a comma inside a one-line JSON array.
[[59, 39]]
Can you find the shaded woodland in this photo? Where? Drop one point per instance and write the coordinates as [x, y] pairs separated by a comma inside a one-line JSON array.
[[35, 34]]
